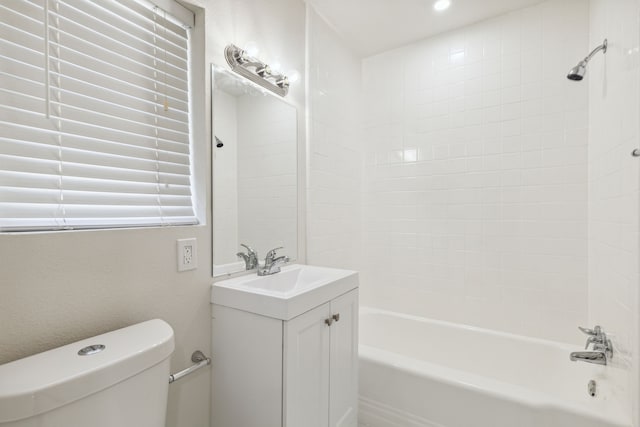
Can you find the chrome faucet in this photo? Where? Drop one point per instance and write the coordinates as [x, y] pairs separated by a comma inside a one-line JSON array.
[[272, 263], [602, 348], [597, 357], [250, 258]]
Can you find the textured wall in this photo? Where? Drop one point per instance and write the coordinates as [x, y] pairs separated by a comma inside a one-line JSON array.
[[334, 149], [476, 174], [614, 131], [57, 288]]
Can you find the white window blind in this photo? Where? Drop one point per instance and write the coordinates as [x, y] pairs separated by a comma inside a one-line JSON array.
[[94, 115]]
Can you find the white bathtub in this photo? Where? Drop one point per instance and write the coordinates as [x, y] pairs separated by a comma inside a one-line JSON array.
[[417, 372]]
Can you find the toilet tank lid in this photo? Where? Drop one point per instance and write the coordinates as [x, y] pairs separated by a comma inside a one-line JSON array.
[[57, 377]]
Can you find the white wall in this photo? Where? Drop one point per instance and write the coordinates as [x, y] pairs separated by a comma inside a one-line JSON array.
[[476, 175], [614, 131], [334, 149], [225, 180]]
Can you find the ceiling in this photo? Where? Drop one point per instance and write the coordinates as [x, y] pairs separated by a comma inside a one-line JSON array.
[[374, 26]]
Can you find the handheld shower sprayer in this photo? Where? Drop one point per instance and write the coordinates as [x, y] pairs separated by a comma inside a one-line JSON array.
[[577, 73]]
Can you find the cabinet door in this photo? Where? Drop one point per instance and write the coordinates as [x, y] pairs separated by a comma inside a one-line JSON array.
[[306, 362], [343, 396], [246, 369]]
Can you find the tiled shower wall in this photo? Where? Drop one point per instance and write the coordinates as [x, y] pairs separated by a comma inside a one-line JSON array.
[[475, 206], [267, 180], [255, 175], [614, 121], [334, 153], [225, 184]]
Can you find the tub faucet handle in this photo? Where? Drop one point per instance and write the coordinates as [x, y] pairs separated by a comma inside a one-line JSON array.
[[602, 347], [595, 332], [592, 340]]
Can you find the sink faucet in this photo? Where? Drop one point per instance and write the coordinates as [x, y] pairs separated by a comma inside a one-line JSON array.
[[250, 258], [272, 263], [602, 348]]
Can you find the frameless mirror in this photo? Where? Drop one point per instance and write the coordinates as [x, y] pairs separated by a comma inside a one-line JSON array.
[[254, 171]]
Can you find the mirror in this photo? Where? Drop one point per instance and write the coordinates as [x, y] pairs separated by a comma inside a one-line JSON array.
[[254, 171]]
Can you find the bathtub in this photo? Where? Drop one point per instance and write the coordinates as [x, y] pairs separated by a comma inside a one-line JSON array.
[[417, 372]]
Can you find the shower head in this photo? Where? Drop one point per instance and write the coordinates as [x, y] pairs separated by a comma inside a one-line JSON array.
[[577, 73]]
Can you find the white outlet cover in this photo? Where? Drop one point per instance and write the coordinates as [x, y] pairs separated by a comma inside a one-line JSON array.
[[184, 247]]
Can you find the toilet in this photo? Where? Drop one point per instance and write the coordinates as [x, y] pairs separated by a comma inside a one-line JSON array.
[[118, 379]]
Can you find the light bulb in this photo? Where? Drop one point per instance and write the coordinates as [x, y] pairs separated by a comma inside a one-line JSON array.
[[276, 67], [441, 5], [293, 76], [251, 48]]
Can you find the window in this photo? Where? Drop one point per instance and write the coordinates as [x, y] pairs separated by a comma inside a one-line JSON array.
[[94, 114]]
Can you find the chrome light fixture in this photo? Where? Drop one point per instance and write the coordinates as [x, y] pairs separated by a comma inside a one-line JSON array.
[[255, 70]]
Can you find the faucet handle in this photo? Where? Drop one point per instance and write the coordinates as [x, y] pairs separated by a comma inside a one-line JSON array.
[[249, 249], [595, 332], [272, 252], [250, 258], [592, 340]]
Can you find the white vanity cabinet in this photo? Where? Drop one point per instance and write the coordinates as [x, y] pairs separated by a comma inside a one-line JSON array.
[[294, 372]]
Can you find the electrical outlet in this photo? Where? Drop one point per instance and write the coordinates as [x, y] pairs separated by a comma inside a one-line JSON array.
[[187, 254]]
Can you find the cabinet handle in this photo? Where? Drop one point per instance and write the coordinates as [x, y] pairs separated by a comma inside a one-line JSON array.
[[328, 321], [336, 317]]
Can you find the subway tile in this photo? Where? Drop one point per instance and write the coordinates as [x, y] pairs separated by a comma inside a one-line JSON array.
[[480, 166]]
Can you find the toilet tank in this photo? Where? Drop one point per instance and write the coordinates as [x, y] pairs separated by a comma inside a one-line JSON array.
[[121, 379]]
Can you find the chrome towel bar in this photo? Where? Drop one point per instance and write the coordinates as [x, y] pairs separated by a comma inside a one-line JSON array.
[[200, 361]]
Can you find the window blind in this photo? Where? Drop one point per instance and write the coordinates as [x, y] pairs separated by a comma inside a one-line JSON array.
[[94, 115]]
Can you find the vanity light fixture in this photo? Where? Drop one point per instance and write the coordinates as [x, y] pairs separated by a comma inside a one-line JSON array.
[[255, 70], [441, 5]]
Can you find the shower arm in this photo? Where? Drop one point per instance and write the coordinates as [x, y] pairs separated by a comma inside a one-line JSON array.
[[602, 47]]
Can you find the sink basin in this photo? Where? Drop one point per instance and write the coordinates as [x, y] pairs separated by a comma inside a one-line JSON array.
[[285, 295]]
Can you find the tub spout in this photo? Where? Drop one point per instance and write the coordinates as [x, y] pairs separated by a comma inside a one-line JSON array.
[[597, 357], [602, 348]]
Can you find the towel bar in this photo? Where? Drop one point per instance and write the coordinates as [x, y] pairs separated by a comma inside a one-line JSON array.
[[200, 361]]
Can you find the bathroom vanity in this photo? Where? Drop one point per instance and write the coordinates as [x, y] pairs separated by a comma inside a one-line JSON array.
[[285, 349]]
